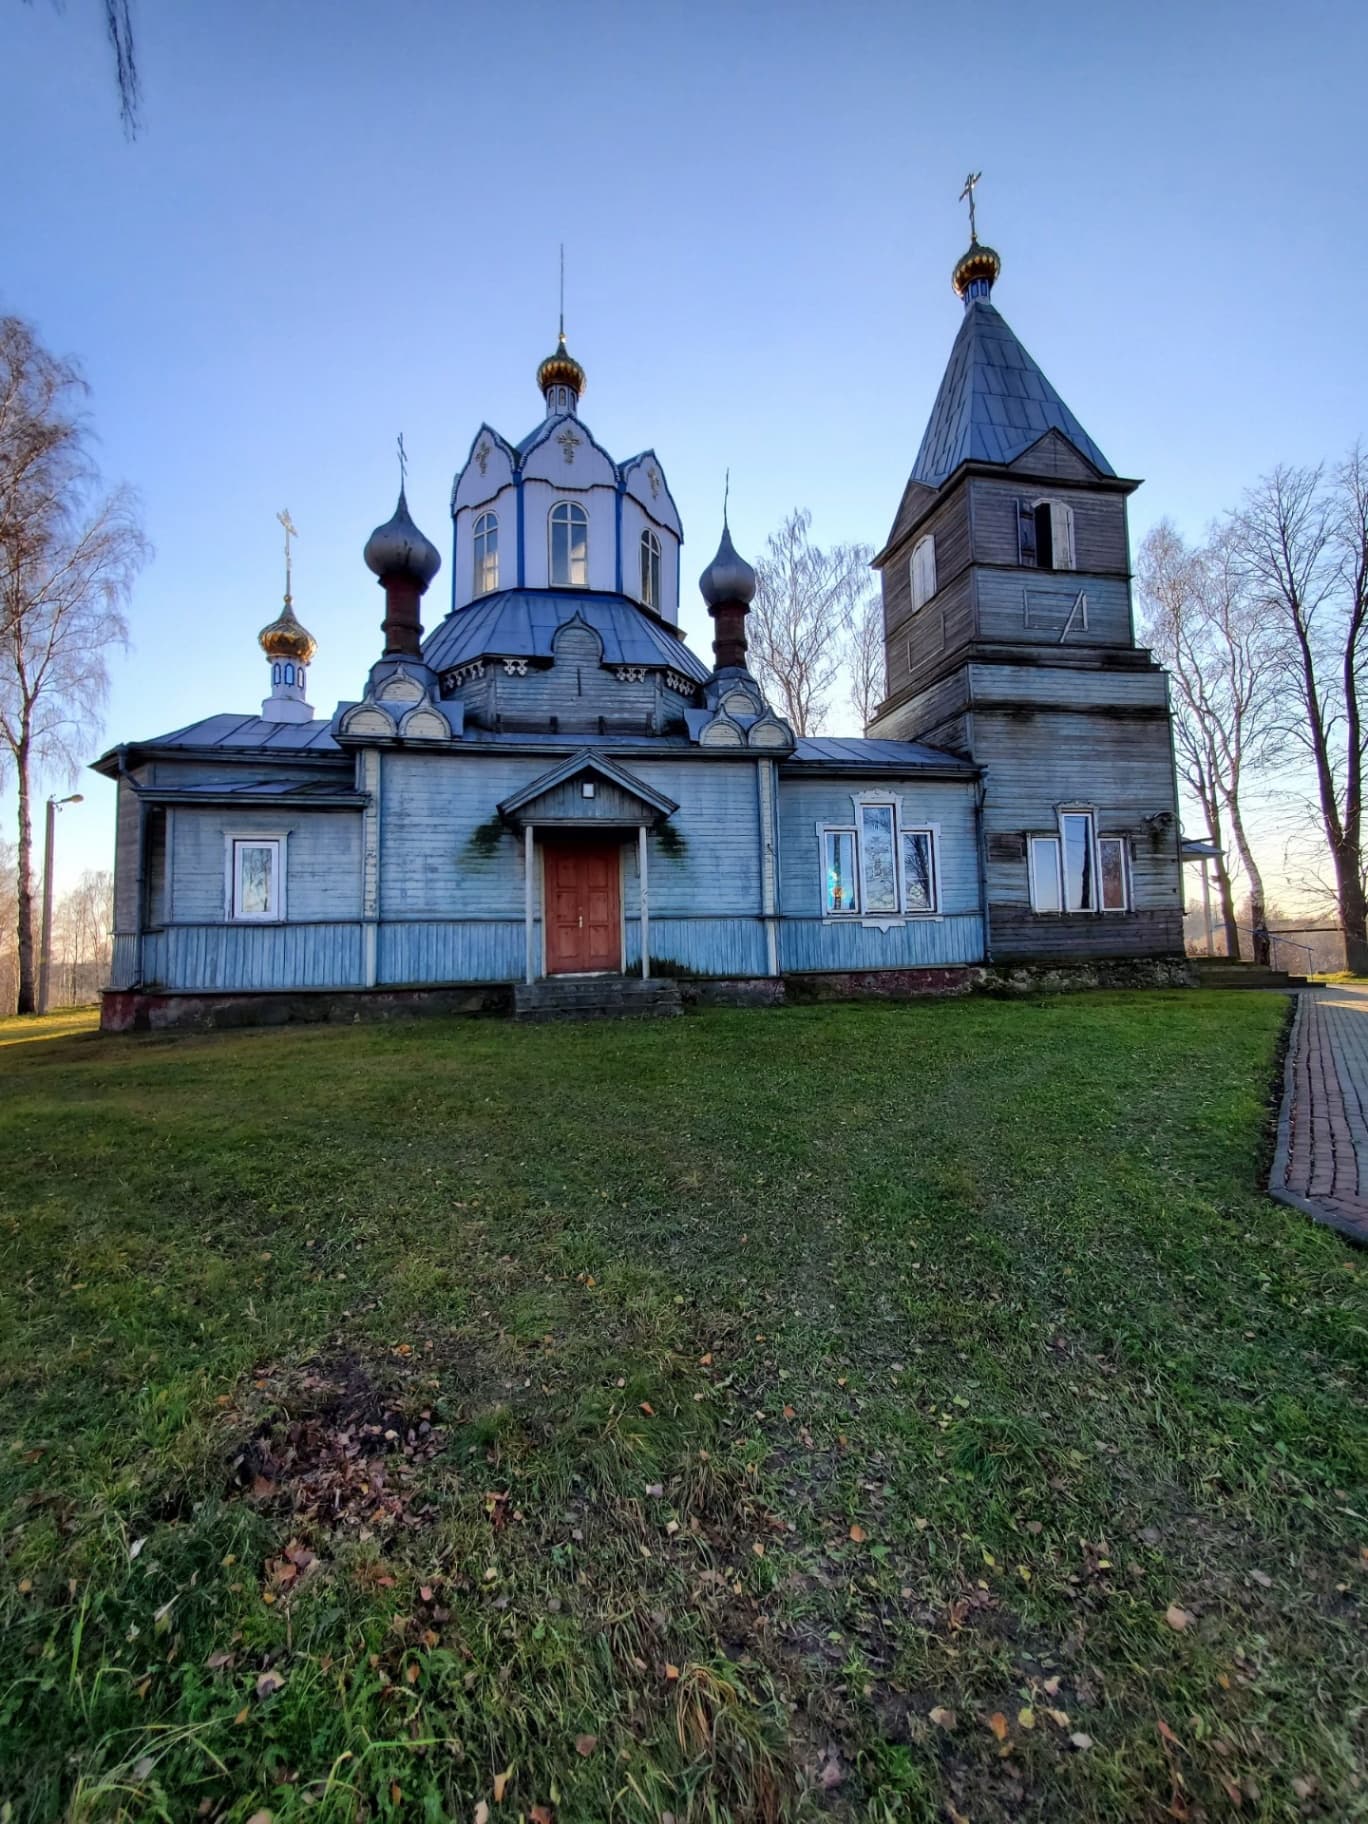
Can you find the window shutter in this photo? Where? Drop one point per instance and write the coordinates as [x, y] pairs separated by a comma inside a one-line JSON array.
[[1026, 535], [1062, 529]]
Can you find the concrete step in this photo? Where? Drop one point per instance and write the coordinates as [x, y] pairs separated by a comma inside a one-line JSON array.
[[598, 997], [1218, 973]]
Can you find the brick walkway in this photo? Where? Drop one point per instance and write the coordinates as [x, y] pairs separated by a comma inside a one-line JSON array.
[[1321, 1162]]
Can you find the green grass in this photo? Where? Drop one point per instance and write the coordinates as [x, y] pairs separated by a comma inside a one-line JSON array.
[[794, 1375]]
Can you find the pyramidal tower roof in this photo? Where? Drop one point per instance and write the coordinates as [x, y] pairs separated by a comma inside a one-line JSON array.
[[994, 402]]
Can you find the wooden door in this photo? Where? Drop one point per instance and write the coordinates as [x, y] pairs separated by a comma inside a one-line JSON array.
[[583, 914]]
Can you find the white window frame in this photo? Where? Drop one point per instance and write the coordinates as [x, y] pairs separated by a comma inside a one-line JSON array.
[[1035, 846], [650, 569], [261, 839], [569, 509], [484, 578], [903, 825], [922, 571]]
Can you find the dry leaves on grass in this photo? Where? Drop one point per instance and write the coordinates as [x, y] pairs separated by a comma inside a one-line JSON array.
[[1178, 1618]]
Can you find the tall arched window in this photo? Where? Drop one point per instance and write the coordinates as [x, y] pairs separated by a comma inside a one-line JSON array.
[[650, 570], [486, 553], [569, 545], [923, 570]]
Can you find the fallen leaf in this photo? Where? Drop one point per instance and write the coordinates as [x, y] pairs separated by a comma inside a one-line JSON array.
[[260, 1817], [1080, 1740], [941, 1717], [501, 1784], [396, 1793], [1026, 1717], [585, 1745], [1177, 1618], [542, 1814], [1167, 1733], [789, 1413], [655, 1489], [1262, 1578], [1232, 1792], [143, 1766], [216, 1661], [268, 1684], [671, 1671], [481, 1813], [758, 1548], [997, 1722], [705, 1361], [412, 1672], [858, 1534], [241, 1717], [1060, 1718], [832, 1772], [648, 1409], [135, 1548]]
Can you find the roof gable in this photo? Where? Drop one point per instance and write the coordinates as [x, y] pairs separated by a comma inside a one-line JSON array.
[[631, 800], [994, 403]]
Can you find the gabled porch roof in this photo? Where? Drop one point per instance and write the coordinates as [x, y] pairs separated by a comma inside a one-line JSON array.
[[546, 800]]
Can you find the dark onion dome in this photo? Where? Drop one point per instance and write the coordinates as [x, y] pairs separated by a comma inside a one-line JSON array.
[[728, 578], [560, 369], [398, 548], [284, 638], [979, 263]]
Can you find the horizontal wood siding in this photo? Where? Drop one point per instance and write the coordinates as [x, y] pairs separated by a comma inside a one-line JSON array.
[[1054, 456], [701, 946], [452, 951], [1034, 608], [322, 860], [935, 707], [709, 862], [814, 944], [253, 956], [1100, 536], [1080, 937], [127, 818], [443, 852], [804, 803], [1080, 687], [577, 688], [337, 770]]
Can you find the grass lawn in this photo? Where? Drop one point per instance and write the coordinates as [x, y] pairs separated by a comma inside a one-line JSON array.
[[906, 1412]]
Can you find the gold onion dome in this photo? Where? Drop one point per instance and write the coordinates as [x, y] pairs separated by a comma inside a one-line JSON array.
[[979, 263], [285, 638], [560, 369]]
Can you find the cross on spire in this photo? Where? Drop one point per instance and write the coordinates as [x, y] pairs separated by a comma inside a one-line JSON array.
[[403, 463], [967, 194], [562, 293], [290, 532]]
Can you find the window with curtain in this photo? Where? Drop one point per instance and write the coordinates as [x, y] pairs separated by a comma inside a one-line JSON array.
[[880, 865], [650, 570], [257, 886], [569, 545], [486, 577]]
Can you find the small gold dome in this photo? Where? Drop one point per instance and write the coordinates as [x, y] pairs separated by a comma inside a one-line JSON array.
[[560, 369], [979, 263], [284, 638]]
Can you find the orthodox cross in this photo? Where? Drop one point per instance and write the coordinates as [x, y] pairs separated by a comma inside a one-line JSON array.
[[284, 517], [403, 464], [968, 192], [562, 291], [726, 495]]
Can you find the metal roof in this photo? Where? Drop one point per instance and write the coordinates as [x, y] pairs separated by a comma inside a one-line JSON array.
[[249, 731], [523, 623], [993, 403], [856, 752]]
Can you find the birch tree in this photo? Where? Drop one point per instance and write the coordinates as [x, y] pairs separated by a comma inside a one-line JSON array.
[[865, 659], [800, 620], [68, 558]]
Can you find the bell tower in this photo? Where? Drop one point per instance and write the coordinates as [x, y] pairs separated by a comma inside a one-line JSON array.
[[1009, 638]]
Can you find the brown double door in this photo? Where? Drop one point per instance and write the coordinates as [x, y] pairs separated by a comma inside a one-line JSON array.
[[583, 908]]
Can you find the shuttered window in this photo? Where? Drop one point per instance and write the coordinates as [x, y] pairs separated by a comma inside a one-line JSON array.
[[1045, 534], [923, 571]]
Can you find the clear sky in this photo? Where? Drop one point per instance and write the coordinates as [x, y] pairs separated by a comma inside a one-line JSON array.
[[341, 221]]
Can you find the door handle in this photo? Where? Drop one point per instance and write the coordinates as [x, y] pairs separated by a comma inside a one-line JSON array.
[[581, 921]]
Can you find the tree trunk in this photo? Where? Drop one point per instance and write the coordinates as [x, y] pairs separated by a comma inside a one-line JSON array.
[[26, 1002], [1353, 907], [1258, 908], [1225, 891]]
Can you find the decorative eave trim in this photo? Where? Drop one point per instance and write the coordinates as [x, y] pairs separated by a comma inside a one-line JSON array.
[[585, 760]]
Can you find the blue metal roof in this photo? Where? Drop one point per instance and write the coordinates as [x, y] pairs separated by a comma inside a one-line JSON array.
[[854, 752], [522, 623], [228, 731], [993, 403]]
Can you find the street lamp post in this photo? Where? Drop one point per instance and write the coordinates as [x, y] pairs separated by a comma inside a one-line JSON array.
[[45, 952]]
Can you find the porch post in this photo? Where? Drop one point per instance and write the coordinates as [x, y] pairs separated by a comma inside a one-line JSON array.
[[645, 904], [528, 859]]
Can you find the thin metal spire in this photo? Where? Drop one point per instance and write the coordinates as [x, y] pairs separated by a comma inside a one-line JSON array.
[[562, 291], [403, 463], [726, 496], [284, 517]]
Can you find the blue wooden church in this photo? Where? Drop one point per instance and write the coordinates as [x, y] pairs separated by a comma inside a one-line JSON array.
[[548, 799]]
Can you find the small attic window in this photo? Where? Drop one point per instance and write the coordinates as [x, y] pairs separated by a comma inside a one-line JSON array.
[[923, 570], [1045, 534]]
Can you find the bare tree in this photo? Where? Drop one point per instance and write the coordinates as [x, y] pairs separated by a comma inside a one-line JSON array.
[[84, 933], [801, 616], [9, 925], [67, 562], [1301, 540], [1225, 666], [865, 658], [118, 21]]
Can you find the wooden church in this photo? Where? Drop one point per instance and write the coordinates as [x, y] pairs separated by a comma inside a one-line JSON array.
[[548, 800]]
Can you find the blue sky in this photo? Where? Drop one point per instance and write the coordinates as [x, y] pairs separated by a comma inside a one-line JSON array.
[[341, 221]]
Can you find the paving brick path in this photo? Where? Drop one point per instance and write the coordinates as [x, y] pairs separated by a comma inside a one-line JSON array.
[[1321, 1162]]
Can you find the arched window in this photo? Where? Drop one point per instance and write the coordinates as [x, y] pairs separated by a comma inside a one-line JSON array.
[[275, 672], [289, 673], [569, 529], [486, 554], [923, 570], [650, 570]]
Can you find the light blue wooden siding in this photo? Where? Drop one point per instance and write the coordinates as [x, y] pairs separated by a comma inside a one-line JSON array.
[[807, 941], [322, 860], [808, 944], [230, 958], [433, 865], [484, 950], [123, 962], [710, 863], [567, 804], [701, 946], [1035, 606]]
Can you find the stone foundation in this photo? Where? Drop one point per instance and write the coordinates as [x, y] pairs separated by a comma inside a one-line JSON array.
[[881, 984], [144, 1010], [1105, 972]]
